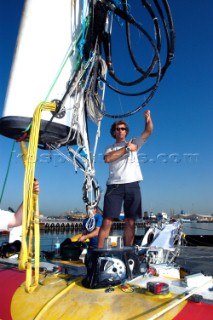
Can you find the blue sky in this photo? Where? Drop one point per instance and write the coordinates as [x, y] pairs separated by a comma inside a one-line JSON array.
[[177, 160]]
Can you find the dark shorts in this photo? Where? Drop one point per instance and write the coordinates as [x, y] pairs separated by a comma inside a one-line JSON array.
[[128, 195]]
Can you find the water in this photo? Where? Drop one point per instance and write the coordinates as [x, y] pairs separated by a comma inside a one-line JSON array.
[[198, 228], [49, 239]]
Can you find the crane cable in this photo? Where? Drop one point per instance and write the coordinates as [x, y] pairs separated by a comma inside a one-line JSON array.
[[30, 218]]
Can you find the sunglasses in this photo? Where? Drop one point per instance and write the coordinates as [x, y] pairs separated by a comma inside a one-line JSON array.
[[122, 129]]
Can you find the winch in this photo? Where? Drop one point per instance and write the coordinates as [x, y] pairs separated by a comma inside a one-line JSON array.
[[109, 267]]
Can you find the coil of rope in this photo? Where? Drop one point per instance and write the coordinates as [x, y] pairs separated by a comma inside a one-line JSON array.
[[30, 218]]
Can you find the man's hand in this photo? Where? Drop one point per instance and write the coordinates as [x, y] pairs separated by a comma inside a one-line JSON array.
[[147, 115], [36, 188], [148, 125], [132, 146], [82, 238]]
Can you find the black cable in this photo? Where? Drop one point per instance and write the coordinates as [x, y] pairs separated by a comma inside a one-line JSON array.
[[146, 74], [170, 35], [158, 41], [96, 33], [154, 88]]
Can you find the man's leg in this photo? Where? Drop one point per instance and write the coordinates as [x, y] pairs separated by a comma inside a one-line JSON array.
[[104, 231], [129, 231]]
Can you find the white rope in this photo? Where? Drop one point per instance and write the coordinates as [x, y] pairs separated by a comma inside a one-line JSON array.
[[90, 224], [75, 87], [75, 154]]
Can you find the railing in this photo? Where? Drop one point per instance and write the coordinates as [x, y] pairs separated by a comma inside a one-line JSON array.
[[77, 225]]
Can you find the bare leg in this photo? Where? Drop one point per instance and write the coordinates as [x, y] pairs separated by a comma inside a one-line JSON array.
[[129, 231], [104, 231]]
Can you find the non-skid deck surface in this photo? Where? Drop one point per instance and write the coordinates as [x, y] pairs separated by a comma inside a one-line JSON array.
[[78, 302]]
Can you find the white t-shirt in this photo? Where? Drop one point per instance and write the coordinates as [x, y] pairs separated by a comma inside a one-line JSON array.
[[126, 169], [5, 217]]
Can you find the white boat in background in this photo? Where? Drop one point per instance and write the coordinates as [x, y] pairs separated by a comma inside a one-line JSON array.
[[186, 220]]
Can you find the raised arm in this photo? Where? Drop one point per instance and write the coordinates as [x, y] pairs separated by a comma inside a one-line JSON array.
[[148, 125]]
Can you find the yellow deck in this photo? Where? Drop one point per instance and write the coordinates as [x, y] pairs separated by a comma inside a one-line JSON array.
[[56, 299]]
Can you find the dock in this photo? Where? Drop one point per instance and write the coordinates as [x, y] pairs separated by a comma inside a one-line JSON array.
[[64, 224]]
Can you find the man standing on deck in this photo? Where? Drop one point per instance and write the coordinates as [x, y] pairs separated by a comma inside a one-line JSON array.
[[124, 177]]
